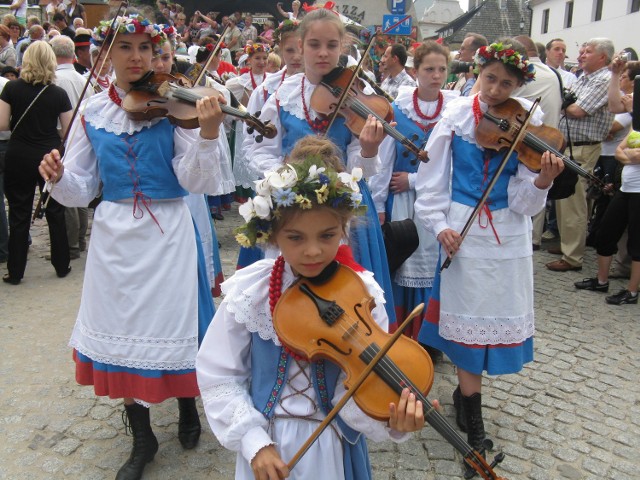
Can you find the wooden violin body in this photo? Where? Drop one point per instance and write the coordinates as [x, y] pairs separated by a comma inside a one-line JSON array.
[[162, 95], [500, 125], [331, 318], [350, 338], [357, 106]]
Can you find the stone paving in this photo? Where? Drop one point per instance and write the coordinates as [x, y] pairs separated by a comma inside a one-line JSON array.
[[572, 414]]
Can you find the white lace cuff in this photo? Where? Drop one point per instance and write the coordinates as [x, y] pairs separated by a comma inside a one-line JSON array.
[[254, 441]]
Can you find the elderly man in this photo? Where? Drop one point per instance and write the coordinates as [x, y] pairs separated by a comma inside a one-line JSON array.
[[589, 121], [72, 82], [392, 63], [466, 53], [36, 32]]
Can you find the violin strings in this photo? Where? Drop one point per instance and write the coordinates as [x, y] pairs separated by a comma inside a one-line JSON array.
[[185, 94], [542, 146], [363, 111], [386, 365]]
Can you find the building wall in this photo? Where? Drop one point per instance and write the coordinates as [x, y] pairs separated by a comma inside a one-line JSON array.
[[616, 24]]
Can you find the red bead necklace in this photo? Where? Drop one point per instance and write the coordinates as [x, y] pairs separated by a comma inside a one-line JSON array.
[[477, 111], [416, 106], [275, 291], [316, 125], [113, 95]]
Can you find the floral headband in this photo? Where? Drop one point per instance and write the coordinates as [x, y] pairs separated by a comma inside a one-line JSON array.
[[127, 25], [508, 56], [303, 185], [256, 48], [285, 27]]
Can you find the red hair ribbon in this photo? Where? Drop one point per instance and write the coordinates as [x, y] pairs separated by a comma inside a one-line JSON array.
[[326, 6]]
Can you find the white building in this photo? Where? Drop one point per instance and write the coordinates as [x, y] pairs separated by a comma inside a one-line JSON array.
[[439, 14], [576, 21]]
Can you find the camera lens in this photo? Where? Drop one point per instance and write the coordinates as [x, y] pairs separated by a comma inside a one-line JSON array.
[[460, 67]]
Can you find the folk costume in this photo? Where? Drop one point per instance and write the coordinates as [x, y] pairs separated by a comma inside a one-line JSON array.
[[290, 112], [243, 174], [416, 119], [481, 309], [141, 318], [255, 394]]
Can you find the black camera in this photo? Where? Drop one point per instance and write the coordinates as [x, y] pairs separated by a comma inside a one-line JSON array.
[[568, 98], [460, 67]]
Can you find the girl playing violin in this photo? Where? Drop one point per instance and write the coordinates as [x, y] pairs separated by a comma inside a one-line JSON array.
[[287, 38], [261, 400], [163, 63], [141, 316], [416, 110], [289, 110], [481, 310]]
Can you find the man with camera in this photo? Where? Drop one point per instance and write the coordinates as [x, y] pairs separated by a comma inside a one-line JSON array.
[[392, 64], [463, 66], [588, 121]]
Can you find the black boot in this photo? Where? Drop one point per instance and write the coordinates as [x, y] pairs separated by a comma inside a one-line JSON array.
[[145, 444], [189, 424], [461, 421], [476, 437]]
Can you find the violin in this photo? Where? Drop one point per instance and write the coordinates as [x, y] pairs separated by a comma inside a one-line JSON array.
[[358, 106], [329, 317], [159, 95], [501, 123]]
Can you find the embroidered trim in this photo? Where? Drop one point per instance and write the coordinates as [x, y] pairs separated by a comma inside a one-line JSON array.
[[322, 386], [275, 391], [142, 364], [474, 330]]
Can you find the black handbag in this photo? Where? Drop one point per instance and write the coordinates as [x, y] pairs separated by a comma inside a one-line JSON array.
[[400, 241]]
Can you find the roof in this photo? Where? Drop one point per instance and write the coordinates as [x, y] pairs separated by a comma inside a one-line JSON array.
[[461, 21]]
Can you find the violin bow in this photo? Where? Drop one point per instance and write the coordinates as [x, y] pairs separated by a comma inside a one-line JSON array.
[[345, 92], [359, 381], [503, 163], [213, 53], [43, 201]]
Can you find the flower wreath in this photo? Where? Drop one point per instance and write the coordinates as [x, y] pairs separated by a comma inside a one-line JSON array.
[[256, 48], [303, 185], [129, 25], [508, 56], [285, 27]]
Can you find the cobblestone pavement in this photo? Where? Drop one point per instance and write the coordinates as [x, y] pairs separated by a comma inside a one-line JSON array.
[[572, 414]]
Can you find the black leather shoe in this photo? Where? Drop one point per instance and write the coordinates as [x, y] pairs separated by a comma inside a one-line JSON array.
[[189, 424], [9, 279], [592, 284], [64, 273], [217, 216]]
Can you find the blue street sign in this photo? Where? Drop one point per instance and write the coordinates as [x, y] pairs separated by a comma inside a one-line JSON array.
[[399, 7], [396, 24]]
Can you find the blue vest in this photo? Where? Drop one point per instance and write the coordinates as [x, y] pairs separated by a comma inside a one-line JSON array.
[[405, 160], [141, 162], [470, 179], [269, 370], [293, 129]]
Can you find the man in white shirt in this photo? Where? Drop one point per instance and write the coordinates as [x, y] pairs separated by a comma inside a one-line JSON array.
[[77, 219], [556, 51]]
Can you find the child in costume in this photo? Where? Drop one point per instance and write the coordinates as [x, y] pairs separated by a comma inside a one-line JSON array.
[[146, 299], [261, 400], [289, 110], [481, 310]]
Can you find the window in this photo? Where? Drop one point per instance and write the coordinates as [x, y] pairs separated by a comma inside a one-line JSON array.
[[545, 20], [597, 10], [635, 6], [568, 14]]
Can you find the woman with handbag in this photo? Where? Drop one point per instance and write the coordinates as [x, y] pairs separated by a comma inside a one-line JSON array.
[[31, 107]]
